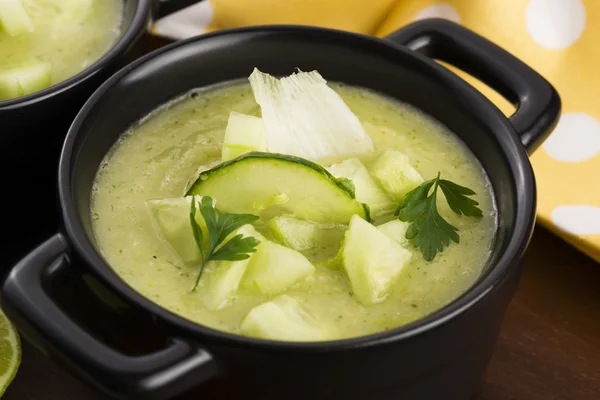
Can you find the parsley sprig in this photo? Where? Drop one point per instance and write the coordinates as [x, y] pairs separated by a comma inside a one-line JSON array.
[[428, 230], [218, 227]]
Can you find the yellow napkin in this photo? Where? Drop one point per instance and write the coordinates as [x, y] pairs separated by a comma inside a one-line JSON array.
[[556, 37]]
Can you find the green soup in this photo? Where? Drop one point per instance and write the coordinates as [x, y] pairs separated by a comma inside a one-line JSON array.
[[158, 156], [67, 37]]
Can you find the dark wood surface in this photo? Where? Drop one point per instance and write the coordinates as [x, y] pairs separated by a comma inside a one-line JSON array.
[[548, 349]]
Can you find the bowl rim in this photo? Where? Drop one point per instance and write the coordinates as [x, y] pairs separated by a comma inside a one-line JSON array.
[[142, 9], [507, 263]]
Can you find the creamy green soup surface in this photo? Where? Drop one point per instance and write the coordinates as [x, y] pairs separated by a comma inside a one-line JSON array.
[[66, 37], [158, 156]]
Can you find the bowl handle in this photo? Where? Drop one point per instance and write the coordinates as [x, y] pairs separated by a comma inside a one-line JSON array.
[[167, 7], [160, 375], [537, 102]]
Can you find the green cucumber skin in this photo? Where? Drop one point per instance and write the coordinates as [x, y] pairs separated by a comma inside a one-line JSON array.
[[277, 156]]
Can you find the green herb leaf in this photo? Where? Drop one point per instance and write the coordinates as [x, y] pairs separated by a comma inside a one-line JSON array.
[[219, 226], [457, 199], [428, 230]]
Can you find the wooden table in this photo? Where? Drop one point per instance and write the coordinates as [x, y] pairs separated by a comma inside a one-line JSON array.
[[549, 346]]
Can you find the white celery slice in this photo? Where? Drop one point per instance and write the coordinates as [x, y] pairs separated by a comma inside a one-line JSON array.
[[395, 174], [366, 189], [306, 118], [274, 268], [372, 261], [14, 20], [244, 133], [284, 318]]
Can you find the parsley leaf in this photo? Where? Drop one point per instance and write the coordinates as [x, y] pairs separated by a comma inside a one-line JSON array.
[[428, 230], [218, 228]]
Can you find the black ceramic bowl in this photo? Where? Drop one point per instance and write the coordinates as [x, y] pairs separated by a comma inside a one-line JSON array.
[[442, 356], [33, 128]]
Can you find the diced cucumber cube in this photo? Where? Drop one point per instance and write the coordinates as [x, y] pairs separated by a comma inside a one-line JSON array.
[[221, 279], [295, 233], [34, 78], [244, 133], [372, 261], [274, 268], [366, 189], [396, 230], [395, 174], [9, 87], [171, 219], [14, 19], [25, 80], [284, 318]]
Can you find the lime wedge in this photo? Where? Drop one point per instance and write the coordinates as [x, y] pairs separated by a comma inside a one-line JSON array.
[[10, 352]]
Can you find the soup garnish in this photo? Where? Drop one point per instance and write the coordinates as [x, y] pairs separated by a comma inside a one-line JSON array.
[[306, 222], [428, 229], [43, 42], [215, 244]]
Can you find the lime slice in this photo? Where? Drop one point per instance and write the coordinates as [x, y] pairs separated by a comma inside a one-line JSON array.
[[10, 352]]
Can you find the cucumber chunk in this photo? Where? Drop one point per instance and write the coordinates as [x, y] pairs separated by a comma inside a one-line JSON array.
[[25, 80], [14, 20], [284, 318], [244, 133], [396, 230], [295, 233], [366, 189], [171, 220], [372, 261], [221, 279], [395, 174], [303, 189], [274, 268]]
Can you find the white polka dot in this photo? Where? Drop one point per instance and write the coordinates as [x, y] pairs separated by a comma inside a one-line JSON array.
[[578, 219], [576, 138], [555, 24], [445, 11], [190, 21]]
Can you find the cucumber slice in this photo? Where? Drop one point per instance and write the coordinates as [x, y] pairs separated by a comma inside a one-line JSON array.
[[372, 261], [14, 20], [284, 318], [251, 182], [25, 80], [221, 279], [244, 133], [171, 220], [395, 174], [274, 268], [396, 230], [367, 190], [295, 233]]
